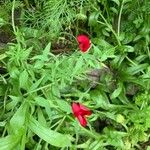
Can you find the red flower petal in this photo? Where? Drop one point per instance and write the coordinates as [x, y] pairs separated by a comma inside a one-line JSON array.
[[82, 120], [82, 38], [76, 109], [84, 42], [80, 111], [85, 110]]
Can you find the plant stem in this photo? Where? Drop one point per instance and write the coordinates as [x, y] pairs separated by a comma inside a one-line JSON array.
[[43, 87], [26, 3], [119, 18], [132, 62], [12, 16], [61, 122], [81, 7], [92, 135], [110, 27]]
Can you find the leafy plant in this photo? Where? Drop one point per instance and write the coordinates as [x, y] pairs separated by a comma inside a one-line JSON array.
[[111, 79]]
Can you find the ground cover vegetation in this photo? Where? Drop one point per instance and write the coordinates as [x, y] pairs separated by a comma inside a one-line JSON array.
[[74, 74]]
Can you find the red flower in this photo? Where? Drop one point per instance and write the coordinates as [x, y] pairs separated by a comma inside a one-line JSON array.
[[84, 42], [80, 112]]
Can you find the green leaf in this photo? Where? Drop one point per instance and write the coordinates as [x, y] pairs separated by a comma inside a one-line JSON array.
[[2, 90], [63, 105], [44, 102], [41, 117], [148, 148], [118, 60], [18, 119], [117, 91], [114, 10], [13, 103], [44, 56], [55, 90], [36, 84], [126, 1], [2, 56], [128, 48], [2, 22], [115, 138], [30, 32], [23, 79], [46, 51], [138, 68], [52, 137], [47, 104], [116, 1], [9, 142], [27, 52], [2, 123], [141, 58], [93, 18], [96, 145], [104, 31], [99, 98], [39, 64], [109, 53], [81, 16], [14, 72]]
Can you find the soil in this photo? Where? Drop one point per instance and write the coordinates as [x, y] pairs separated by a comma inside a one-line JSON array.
[[5, 37]]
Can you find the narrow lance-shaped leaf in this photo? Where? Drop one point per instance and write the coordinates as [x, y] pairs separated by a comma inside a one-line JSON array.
[[52, 137], [18, 119], [9, 142]]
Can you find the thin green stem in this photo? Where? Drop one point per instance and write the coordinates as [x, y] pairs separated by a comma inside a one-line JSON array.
[[101, 22], [38, 144], [12, 17], [4, 132], [55, 124], [5, 98], [148, 51], [43, 87], [81, 7], [110, 27], [132, 62], [91, 134], [61, 122], [87, 132], [119, 18]]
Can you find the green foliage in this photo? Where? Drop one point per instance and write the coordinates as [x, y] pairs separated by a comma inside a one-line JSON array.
[[50, 136], [37, 86]]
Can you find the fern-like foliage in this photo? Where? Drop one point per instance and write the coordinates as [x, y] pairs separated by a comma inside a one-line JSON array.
[[55, 16]]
